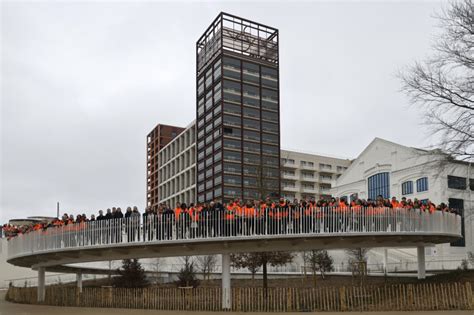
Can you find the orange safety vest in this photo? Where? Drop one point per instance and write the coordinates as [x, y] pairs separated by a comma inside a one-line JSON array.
[[177, 212], [249, 212], [238, 210], [281, 212], [432, 208]]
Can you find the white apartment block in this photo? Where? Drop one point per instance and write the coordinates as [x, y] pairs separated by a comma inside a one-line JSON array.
[[177, 168], [305, 175]]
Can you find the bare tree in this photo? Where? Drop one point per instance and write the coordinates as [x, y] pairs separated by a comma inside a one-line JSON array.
[[257, 260], [318, 260], [187, 274], [206, 265], [443, 85], [357, 258]]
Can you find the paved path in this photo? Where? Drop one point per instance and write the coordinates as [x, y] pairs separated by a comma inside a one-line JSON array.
[[7, 308]]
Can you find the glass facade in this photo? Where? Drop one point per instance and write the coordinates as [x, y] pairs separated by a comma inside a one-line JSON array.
[[379, 184], [238, 111]]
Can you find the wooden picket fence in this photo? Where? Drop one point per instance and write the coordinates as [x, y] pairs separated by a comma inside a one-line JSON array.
[[401, 297]]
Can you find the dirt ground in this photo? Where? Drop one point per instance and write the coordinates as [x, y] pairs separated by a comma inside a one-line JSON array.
[[331, 281]]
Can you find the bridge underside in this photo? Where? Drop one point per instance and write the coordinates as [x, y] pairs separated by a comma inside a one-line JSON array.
[[54, 260]]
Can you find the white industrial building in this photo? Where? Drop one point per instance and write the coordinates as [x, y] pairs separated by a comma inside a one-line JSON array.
[[390, 169]]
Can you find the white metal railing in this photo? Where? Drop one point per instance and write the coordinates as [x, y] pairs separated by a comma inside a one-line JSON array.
[[229, 224]]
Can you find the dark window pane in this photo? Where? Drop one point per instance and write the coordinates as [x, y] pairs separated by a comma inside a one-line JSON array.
[[233, 192], [251, 135], [232, 132], [271, 161], [252, 124], [232, 108], [250, 170], [232, 155], [251, 147], [232, 168], [232, 144], [271, 172], [269, 127], [270, 116], [270, 138], [251, 158], [456, 182], [250, 181], [251, 112], [270, 149], [233, 180], [232, 120]]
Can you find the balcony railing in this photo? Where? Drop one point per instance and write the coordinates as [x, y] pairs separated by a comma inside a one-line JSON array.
[[231, 224]]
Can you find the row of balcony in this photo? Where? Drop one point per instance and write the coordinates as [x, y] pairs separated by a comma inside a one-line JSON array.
[[300, 177], [320, 168], [308, 190]]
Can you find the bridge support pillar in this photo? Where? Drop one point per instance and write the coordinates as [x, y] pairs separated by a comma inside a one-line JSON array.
[[385, 260], [79, 281], [41, 284], [420, 251], [226, 294]]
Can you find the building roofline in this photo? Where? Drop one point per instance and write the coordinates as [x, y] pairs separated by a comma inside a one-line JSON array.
[[323, 155]]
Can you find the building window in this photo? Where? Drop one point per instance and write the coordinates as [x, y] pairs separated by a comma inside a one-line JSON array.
[[456, 182], [379, 184], [422, 184], [407, 188], [288, 161]]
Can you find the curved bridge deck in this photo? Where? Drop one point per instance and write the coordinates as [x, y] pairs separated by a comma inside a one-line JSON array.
[[221, 233]]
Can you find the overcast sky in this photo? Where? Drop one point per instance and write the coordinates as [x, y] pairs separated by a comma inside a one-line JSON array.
[[83, 84]]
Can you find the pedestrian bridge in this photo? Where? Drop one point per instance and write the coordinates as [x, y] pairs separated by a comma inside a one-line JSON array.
[[218, 233]]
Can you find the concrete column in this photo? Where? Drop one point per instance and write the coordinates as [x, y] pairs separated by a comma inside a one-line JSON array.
[[41, 284], [420, 251], [79, 281], [385, 260], [226, 300]]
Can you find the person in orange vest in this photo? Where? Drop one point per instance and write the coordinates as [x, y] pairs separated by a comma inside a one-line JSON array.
[[238, 217], [394, 202], [431, 207], [229, 218], [281, 213], [268, 216], [260, 207], [295, 215], [308, 215], [182, 219], [193, 220], [249, 215]]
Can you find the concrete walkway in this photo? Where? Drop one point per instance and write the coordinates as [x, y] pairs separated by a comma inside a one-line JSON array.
[[7, 308]]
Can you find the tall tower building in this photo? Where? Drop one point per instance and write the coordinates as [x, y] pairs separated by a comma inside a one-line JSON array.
[[237, 110]]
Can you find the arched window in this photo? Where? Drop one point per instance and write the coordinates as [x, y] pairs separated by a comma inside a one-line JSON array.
[[422, 184], [379, 184]]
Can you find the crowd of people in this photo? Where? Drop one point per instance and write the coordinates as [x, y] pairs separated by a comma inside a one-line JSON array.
[[233, 218]]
